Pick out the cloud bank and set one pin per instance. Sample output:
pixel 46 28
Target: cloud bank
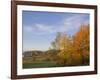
pixel 70 25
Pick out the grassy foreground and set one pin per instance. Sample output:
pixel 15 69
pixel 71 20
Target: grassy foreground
pixel 39 64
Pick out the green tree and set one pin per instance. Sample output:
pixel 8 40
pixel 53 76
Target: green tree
pixel 56 43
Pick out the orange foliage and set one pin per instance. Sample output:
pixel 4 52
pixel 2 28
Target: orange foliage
pixel 81 43
pixel 74 50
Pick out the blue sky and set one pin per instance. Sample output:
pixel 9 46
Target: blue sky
pixel 40 28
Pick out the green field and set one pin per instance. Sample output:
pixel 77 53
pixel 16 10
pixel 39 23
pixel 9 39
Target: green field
pixel 39 64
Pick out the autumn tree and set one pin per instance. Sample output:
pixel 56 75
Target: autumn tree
pixel 63 43
pixel 81 43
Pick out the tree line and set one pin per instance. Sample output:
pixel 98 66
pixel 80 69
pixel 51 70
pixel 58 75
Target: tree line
pixel 73 50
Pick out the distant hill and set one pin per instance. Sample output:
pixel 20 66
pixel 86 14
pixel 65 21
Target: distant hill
pixel 37 53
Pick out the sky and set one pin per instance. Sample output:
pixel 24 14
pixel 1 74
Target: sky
pixel 40 28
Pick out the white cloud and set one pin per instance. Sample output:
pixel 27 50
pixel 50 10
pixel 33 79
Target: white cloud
pixel 39 29
pixel 43 28
pixel 28 28
pixel 73 23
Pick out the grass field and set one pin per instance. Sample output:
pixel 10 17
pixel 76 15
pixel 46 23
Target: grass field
pixel 39 65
